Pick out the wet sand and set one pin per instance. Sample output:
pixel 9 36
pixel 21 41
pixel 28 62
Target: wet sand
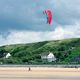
pixel 39 73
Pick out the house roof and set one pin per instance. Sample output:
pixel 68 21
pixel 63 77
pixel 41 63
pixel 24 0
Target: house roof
pixel 50 55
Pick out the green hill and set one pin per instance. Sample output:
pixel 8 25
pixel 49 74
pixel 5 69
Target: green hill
pixel 67 51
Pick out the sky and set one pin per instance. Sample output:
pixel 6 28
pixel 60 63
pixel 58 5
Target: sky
pixel 23 21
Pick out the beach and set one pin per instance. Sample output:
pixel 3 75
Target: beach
pixel 39 73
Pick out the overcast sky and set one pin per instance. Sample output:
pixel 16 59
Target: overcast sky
pixel 23 21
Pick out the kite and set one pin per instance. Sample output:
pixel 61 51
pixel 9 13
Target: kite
pixel 49 16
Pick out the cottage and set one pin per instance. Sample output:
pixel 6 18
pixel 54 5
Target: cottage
pixel 7 55
pixel 48 56
pixel 51 57
pixel 44 55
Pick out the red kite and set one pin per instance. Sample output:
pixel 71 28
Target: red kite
pixel 49 16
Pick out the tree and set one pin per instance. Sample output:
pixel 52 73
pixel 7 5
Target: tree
pixel 2 51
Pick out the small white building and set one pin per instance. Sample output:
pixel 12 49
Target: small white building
pixel 49 56
pixel 7 55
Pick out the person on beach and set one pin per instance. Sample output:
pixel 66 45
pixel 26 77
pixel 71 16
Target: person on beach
pixel 29 69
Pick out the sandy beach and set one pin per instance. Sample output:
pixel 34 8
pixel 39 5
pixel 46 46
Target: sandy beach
pixel 39 73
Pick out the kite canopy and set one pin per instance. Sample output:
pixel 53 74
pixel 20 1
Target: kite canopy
pixel 49 16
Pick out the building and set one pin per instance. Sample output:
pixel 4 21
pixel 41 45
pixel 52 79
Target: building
pixel 7 55
pixel 51 57
pixel 48 56
pixel 44 55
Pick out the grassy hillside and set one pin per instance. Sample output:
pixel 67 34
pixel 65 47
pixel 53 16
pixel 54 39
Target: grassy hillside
pixel 67 51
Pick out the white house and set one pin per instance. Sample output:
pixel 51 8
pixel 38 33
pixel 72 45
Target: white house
pixel 49 56
pixel 7 55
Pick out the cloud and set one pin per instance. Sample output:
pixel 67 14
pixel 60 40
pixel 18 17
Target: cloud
pixel 22 15
pixel 18 37
pixel 23 21
pixel 28 14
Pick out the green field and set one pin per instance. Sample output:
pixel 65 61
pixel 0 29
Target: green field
pixel 67 51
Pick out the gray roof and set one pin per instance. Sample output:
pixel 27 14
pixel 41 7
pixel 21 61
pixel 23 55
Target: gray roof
pixel 44 54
